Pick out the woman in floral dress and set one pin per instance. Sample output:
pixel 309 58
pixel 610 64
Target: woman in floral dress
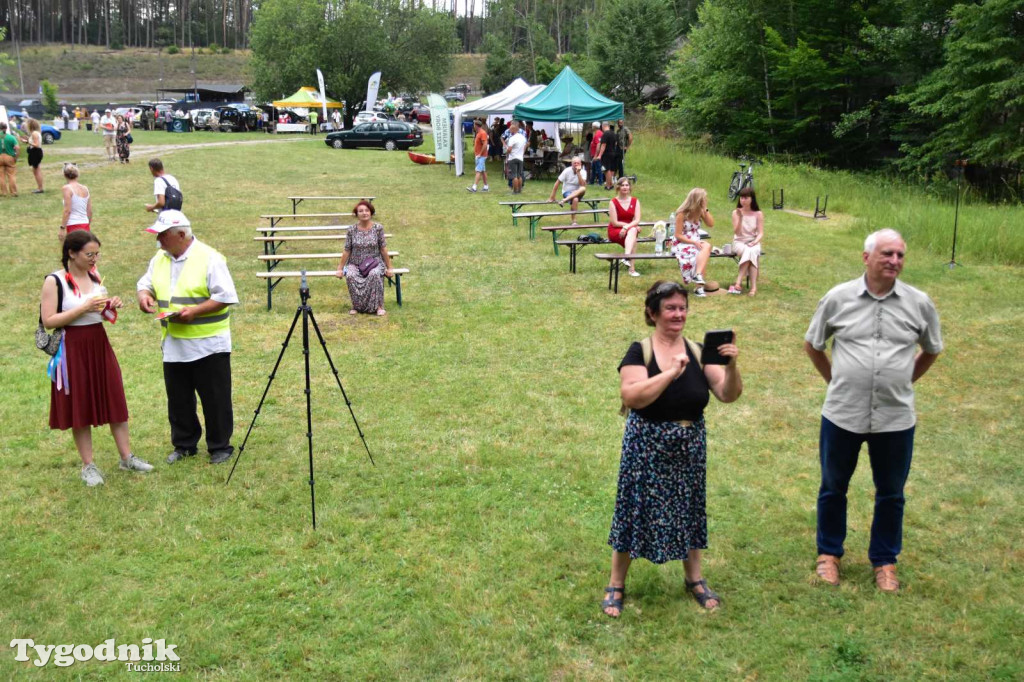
pixel 365 262
pixel 687 246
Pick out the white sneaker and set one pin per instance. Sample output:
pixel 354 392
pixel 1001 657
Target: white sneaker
pixel 91 475
pixel 699 292
pixel 698 279
pixel 133 463
pixel 471 189
pixel 634 273
pixel 486 189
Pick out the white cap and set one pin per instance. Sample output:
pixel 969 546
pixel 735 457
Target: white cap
pixel 168 219
pixel 596 124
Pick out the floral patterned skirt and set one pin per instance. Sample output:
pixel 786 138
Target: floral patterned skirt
pixel 660 505
pixel 686 254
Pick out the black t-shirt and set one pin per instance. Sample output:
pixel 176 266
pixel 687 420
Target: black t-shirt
pixel 611 147
pixel 684 398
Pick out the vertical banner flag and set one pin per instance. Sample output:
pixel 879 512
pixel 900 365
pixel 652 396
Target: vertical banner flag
pixel 371 91
pixel 442 126
pixel 323 93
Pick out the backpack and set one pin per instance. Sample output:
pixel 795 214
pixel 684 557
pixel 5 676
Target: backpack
pixel 173 197
pixel 647 347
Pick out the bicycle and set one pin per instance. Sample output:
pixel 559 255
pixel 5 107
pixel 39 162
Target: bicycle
pixel 744 177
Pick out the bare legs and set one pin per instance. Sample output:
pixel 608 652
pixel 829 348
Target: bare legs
pixel 703 257
pixel 747 268
pixel 37 173
pixel 83 441
pixel 574 201
pixel 620 567
pixel 631 236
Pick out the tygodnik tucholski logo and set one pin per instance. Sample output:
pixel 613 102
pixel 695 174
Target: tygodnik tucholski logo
pixel 150 656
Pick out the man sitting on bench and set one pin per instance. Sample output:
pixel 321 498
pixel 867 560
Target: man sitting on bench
pixel 574 185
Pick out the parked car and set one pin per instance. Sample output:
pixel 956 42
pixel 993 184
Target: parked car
pixel 135 111
pixel 370 116
pixel 237 117
pixel 454 96
pixel 48 132
pixel 422 113
pixel 388 134
pixel 205 119
pixel 464 88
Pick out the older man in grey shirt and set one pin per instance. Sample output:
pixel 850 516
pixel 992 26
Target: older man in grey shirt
pixel 876 323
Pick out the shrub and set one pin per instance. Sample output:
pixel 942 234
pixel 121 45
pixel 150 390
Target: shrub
pixel 173 49
pixel 50 103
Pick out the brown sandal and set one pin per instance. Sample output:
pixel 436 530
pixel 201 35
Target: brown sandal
pixel 885 578
pixel 828 569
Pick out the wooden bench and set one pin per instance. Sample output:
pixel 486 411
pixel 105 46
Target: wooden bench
pixel 575 244
pixel 398 272
pixel 303 228
pixel 275 218
pixel 298 200
pixel 517 205
pixel 536 216
pixel 615 260
pixel 557 230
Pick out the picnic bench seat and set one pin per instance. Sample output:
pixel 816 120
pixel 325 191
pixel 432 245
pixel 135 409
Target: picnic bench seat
pixel 303 228
pixel 279 275
pixel 517 205
pixel 536 216
pixel 615 260
pixel 275 218
pixel 557 230
pixel 298 200
pixel 575 244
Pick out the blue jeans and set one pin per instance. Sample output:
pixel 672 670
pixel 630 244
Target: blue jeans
pixel 890 455
pixel 596 172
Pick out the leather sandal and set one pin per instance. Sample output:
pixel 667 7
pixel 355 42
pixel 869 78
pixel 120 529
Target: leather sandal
pixel 703 597
pixel 885 578
pixel 611 602
pixel 828 569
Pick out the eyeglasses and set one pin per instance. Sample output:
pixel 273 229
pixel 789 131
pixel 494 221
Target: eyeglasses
pixel 666 287
pixel 91 255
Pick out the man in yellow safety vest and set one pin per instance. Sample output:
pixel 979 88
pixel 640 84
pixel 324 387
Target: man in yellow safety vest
pixel 189 285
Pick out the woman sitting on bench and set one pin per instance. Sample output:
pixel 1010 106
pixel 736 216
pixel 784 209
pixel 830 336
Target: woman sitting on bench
pixel 748 231
pixel 624 226
pixel 365 262
pixel 687 247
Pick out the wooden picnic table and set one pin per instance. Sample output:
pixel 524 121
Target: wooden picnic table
pixel 298 200
pixel 557 230
pixel 396 272
pixel 615 260
pixel 575 245
pixel 536 216
pixel 517 205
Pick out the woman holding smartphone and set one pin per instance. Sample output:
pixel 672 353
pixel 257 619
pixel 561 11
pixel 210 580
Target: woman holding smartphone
pixel 86 388
pixel 660 504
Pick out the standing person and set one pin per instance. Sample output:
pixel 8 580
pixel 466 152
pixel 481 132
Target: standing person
pixel 161 181
pixel 480 142
pixel 624 223
pixel 35 152
pixel 86 389
pixel 77 203
pixel 660 504
pixel 190 280
pixel 595 159
pixel 314 121
pixel 494 149
pixel 109 127
pixel 625 142
pixel 336 118
pixel 365 262
pixel 690 250
pixel 876 323
pixel 94 119
pixel 123 132
pixel 515 150
pixel 574 185
pixel 748 232
pixel 609 153
pixel 9 149
pixel 65 116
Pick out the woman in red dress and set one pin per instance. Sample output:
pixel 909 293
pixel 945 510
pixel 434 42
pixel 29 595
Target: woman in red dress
pixel 87 390
pixel 624 226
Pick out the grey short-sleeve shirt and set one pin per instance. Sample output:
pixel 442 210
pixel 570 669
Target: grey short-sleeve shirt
pixel 874 341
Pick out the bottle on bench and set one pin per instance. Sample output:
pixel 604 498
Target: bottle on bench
pixel 659 237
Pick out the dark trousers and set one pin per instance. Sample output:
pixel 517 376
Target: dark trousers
pixel 210 377
pixel 890 455
pixel 596 173
pixel 621 171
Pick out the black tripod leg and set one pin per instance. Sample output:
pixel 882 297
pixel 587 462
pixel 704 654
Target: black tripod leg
pixel 270 380
pixel 323 344
pixel 307 313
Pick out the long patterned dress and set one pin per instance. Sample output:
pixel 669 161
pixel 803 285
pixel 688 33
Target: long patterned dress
pixel 123 148
pixel 686 253
pixel 367 293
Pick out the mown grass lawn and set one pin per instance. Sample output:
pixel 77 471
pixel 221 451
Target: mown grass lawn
pixel 476 548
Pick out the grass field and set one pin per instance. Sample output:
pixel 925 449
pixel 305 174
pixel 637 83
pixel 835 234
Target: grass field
pixel 476 548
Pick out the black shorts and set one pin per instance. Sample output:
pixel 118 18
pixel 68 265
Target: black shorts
pixel 35 156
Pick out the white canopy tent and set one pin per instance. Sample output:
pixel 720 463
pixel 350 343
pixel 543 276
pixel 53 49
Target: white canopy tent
pixel 499 104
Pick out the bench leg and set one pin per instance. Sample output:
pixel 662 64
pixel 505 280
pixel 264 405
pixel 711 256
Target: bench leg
pixel 617 263
pixel 572 258
pixel 554 240
pixel 533 228
pixel 398 288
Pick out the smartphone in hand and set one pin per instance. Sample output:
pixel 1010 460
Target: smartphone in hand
pixel 712 340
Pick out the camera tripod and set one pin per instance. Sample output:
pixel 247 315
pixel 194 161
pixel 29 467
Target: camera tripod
pixel 306 312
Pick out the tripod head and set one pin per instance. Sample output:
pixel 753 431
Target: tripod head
pixel 304 288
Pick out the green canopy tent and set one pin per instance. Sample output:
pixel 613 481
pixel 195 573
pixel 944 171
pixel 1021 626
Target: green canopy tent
pixel 568 98
pixel 306 98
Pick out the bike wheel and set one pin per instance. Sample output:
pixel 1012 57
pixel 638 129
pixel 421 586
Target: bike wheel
pixel 736 185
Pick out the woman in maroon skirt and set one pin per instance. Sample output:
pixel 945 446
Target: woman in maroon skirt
pixel 86 389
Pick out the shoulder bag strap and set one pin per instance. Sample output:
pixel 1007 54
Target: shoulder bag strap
pixel 60 296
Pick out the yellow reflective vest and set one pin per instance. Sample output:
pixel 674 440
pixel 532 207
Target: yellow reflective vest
pixel 189 290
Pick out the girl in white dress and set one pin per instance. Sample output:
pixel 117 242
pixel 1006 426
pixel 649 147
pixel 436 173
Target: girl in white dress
pixel 748 231
pixel 687 246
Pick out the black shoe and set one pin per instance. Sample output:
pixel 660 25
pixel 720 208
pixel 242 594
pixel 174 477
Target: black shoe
pixel 220 456
pixel 179 454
